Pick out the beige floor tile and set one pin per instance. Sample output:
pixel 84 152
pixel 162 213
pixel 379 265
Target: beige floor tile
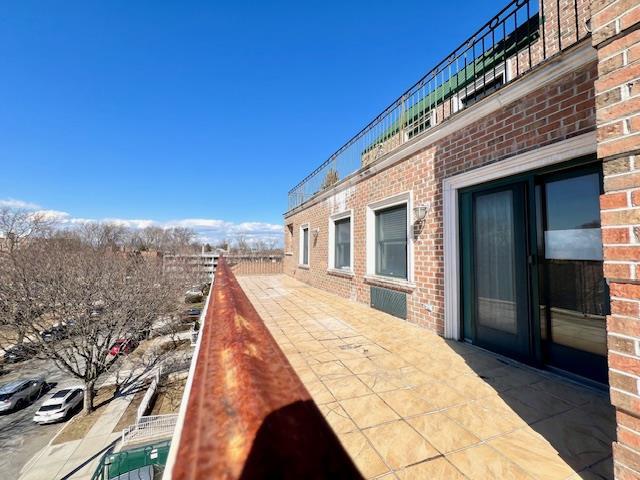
pixel 414 377
pixel 399 444
pixel 300 337
pixel 310 347
pixel 384 381
pixel 538 399
pixel 345 387
pixel 360 365
pixel 440 468
pixel 306 374
pixel 373 350
pixel 513 409
pixel 600 471
pixel 368 411
pixel 332 345
pixel 337 418
pixel 471 387
pixel 532 454
pixel 506 377
pixel 481 422
pixel 439 395
pixel 579 437
pixel 324 357
pixel 484 463
pixel 331 369
pixel 364 456
pixel 319 393
pixel 406 403
pixel 442 432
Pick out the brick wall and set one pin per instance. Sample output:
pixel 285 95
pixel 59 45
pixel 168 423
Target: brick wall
pixel 615 35
pixel 554 112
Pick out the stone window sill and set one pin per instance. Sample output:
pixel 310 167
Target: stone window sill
pixel 392 283
pixel 304 267
pixel 340 273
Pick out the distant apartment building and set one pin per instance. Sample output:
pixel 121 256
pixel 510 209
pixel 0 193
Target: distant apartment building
pixel 497 201
pixel 203 263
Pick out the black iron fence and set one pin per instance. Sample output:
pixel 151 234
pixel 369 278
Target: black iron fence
pixel 522 35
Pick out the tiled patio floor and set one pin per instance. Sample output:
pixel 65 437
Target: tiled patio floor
pixel 408 404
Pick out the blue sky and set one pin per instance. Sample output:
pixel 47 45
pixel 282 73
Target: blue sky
pixel 202 113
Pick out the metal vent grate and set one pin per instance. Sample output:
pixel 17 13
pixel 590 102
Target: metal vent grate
pixel 389 301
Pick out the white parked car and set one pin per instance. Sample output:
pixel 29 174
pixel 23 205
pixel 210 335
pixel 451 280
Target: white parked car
pixel 59 405
pixel 19 393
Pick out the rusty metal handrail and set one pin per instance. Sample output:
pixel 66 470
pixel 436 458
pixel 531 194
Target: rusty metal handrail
pixel 248 415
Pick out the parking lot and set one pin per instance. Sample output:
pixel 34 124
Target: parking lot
pixel 20 437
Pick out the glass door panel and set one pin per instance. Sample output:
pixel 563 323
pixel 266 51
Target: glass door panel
pixel 575 298
pixel 499 270
pixel 495 275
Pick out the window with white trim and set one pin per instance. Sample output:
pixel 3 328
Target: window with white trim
pixel 304 245
pixel 341 242
pixel 391 241
pixel 481 88
pixel 389 248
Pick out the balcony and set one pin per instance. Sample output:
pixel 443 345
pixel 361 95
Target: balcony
pixel 399 400
pixel 522 36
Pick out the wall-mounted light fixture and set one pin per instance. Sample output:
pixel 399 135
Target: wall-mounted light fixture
pixel 315 232
pixel 420 212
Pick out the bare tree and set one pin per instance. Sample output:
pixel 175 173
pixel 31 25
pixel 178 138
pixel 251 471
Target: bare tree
pixel 167 240
pixel 18 225
pixel 92 292
pixel 104 234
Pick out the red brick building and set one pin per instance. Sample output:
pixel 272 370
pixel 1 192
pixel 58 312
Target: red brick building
pixel 497 201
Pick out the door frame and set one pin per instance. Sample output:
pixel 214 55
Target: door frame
pixel 554 154
pixel 528 180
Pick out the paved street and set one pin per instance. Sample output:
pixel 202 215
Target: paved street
pixel 20 437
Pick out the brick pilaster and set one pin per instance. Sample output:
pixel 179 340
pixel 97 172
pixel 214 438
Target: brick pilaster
pixel 616 34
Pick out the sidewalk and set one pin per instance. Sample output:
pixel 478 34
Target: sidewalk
pixel 59 461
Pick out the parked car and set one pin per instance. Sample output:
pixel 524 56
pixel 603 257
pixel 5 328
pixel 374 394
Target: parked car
pixel 195 290
pixel 18 353
pixel 19 393
pixel 59 406
pixel 123 345
pixel 57 332
pixel 193 312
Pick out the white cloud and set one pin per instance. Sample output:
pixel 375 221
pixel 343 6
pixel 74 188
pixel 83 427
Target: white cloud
pixel 54 215
pixel 130 223
pixel 208 229
pixel 13 203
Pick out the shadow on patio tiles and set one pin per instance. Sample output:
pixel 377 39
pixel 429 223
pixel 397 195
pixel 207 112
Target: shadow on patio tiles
pixel 576 421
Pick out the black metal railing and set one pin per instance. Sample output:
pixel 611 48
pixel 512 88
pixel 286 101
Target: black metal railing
pixel 519 37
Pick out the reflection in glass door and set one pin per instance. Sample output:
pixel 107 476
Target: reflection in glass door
pixel 532 271
pixel 574 295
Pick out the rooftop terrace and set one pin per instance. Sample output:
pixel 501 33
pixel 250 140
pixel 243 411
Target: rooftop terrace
pixel 404 402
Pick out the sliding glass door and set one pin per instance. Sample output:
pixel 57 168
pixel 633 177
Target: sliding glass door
pixel 532 271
